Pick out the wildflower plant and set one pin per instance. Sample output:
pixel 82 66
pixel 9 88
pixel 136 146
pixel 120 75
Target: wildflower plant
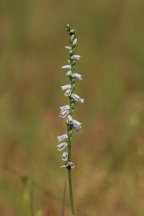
pixel 67 110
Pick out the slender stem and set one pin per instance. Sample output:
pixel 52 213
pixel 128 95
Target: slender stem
pixel 70 191
pixel 69 169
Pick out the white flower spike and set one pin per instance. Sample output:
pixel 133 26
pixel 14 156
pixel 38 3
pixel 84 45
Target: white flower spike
pixel 61 146
pixel 67 110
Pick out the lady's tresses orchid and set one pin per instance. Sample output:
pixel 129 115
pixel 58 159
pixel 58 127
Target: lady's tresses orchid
pixel 61 146
pixel 77 98
pixel 71 164
pixel 76 76
pixel 62 137
pixel 67 110
pixel 64 111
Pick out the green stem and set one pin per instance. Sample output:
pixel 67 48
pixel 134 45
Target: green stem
pixel 70 191
pixel 69 169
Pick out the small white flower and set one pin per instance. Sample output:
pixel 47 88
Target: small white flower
pixel 66 107
pixel 65 156
pixel 71 164
pixel 68 47
pixel 68 61
pixel 77 98
pixel 63 166
pixel 68 92
pixel 75 41
pixel 69 120
pixel 77 125
pixel 77 76
pixel 62 137
pixel 76 57
pixel 67 26
pixel 66 66
pixel 72 31
pixel 69 73
pixel 64 113
pixel 72 37
pixel 61 146
pixel 65 87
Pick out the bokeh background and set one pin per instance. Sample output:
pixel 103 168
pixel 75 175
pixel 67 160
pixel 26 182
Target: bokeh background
pixel 109 152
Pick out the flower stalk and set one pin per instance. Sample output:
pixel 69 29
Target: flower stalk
pixel 67 110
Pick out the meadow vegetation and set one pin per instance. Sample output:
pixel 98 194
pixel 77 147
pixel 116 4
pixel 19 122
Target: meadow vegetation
pixel 109 152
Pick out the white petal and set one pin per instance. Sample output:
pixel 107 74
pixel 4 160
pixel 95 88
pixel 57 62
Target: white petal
pixel 68 92
pixel 67 66
pixel 81 100
pixel 66 107
pixel 77 76
pixel 63 166
pixel 77 98
pixel 72 31
pixel 77 128
pixel 61 146
pixel 65 87
pixel 68 47
pixel 71 164
pixel 75 41
pixel 62 137
pixel 72 37
pixel 65 156
pixel 76 57
pixel 69 120
pixel 64 113
pixel 69 73
pixel 77 125
pixel 67 25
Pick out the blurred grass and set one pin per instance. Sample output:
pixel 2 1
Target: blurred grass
pixel 108 179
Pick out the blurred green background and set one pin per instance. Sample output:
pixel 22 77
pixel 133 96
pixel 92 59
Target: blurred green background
pixel 109 152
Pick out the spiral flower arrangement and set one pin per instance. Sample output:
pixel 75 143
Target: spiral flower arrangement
pixel 67 110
